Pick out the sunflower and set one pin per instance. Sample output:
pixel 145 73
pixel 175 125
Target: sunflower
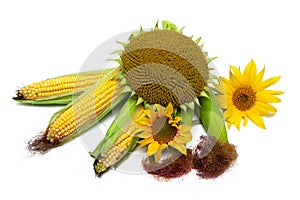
pixel 160 130
pixel 245 96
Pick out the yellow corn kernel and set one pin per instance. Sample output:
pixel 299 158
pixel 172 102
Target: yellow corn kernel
pixel 84 110
pixel 119 147
pixel 60 85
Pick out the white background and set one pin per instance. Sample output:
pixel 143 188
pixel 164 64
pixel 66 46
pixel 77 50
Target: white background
pixel 42 39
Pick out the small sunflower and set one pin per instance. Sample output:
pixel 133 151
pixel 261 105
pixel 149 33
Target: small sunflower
pixel 160 130
pixel 245 96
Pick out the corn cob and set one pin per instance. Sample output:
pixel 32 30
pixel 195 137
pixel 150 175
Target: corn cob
pixel 58 90
pixel 79 115
pixel 125 142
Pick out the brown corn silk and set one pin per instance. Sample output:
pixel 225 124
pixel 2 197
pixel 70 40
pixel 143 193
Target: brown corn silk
pixel 213 157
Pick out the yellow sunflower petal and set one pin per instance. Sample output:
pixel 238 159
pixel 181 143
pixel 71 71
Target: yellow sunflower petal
pixel 163 146
pixel 178 146
pixel 256 85
pixel 250 73
pixel 145 142
pixel 236 71
pixel 157 155
pixel 229 124
pixel 147 112
pixel 227 84
pixel 256 118
pixel 264 108
pixel 143 122
pixel 184 128
pixel 222 101
pixel 269 82
pixel 152 114
pixel 169 110
pixel 265 97
pixel 152 148
pixel 237 74
pixel 144 129
pixel 220 88
pixel 236 118
pixel 160 110
pixel 273 92
pixel 145 135
pixel 229 112
pixel 176 120
pixel 183 138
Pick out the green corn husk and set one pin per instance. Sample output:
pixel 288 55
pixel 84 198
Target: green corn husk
pixel 63 98
pixel 211 116
pixel 115 130
pixel 119 127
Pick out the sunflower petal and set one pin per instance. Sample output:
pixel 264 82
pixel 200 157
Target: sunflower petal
pixel 269 82
pixel 185 128
pixel 265 97
pixel 157 155
pixel 227 84
pixel 245 120
pixel 236 71
pixel 145 135
pixel 145 142
pixel 256 118
pixel 178 146
pixel 258 81
pixel 237 75
pixel 152 114
pixel 222 101
pixel 160 110
pixel 147 112
pixel 273 92
pixel 152 148
pixel 176 120
pixel 250 73
pixel 236 118
pixel 219 87
pixel 229 112
pixel 169 110
pixel 183 138
pixel 143 122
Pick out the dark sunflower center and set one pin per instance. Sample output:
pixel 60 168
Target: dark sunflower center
pixel 162 131
pixel 164 67
pixel 244 98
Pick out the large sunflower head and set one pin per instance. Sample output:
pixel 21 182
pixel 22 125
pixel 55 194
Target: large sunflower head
pixel 245 96
pixel 160 129
pixel 165 66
